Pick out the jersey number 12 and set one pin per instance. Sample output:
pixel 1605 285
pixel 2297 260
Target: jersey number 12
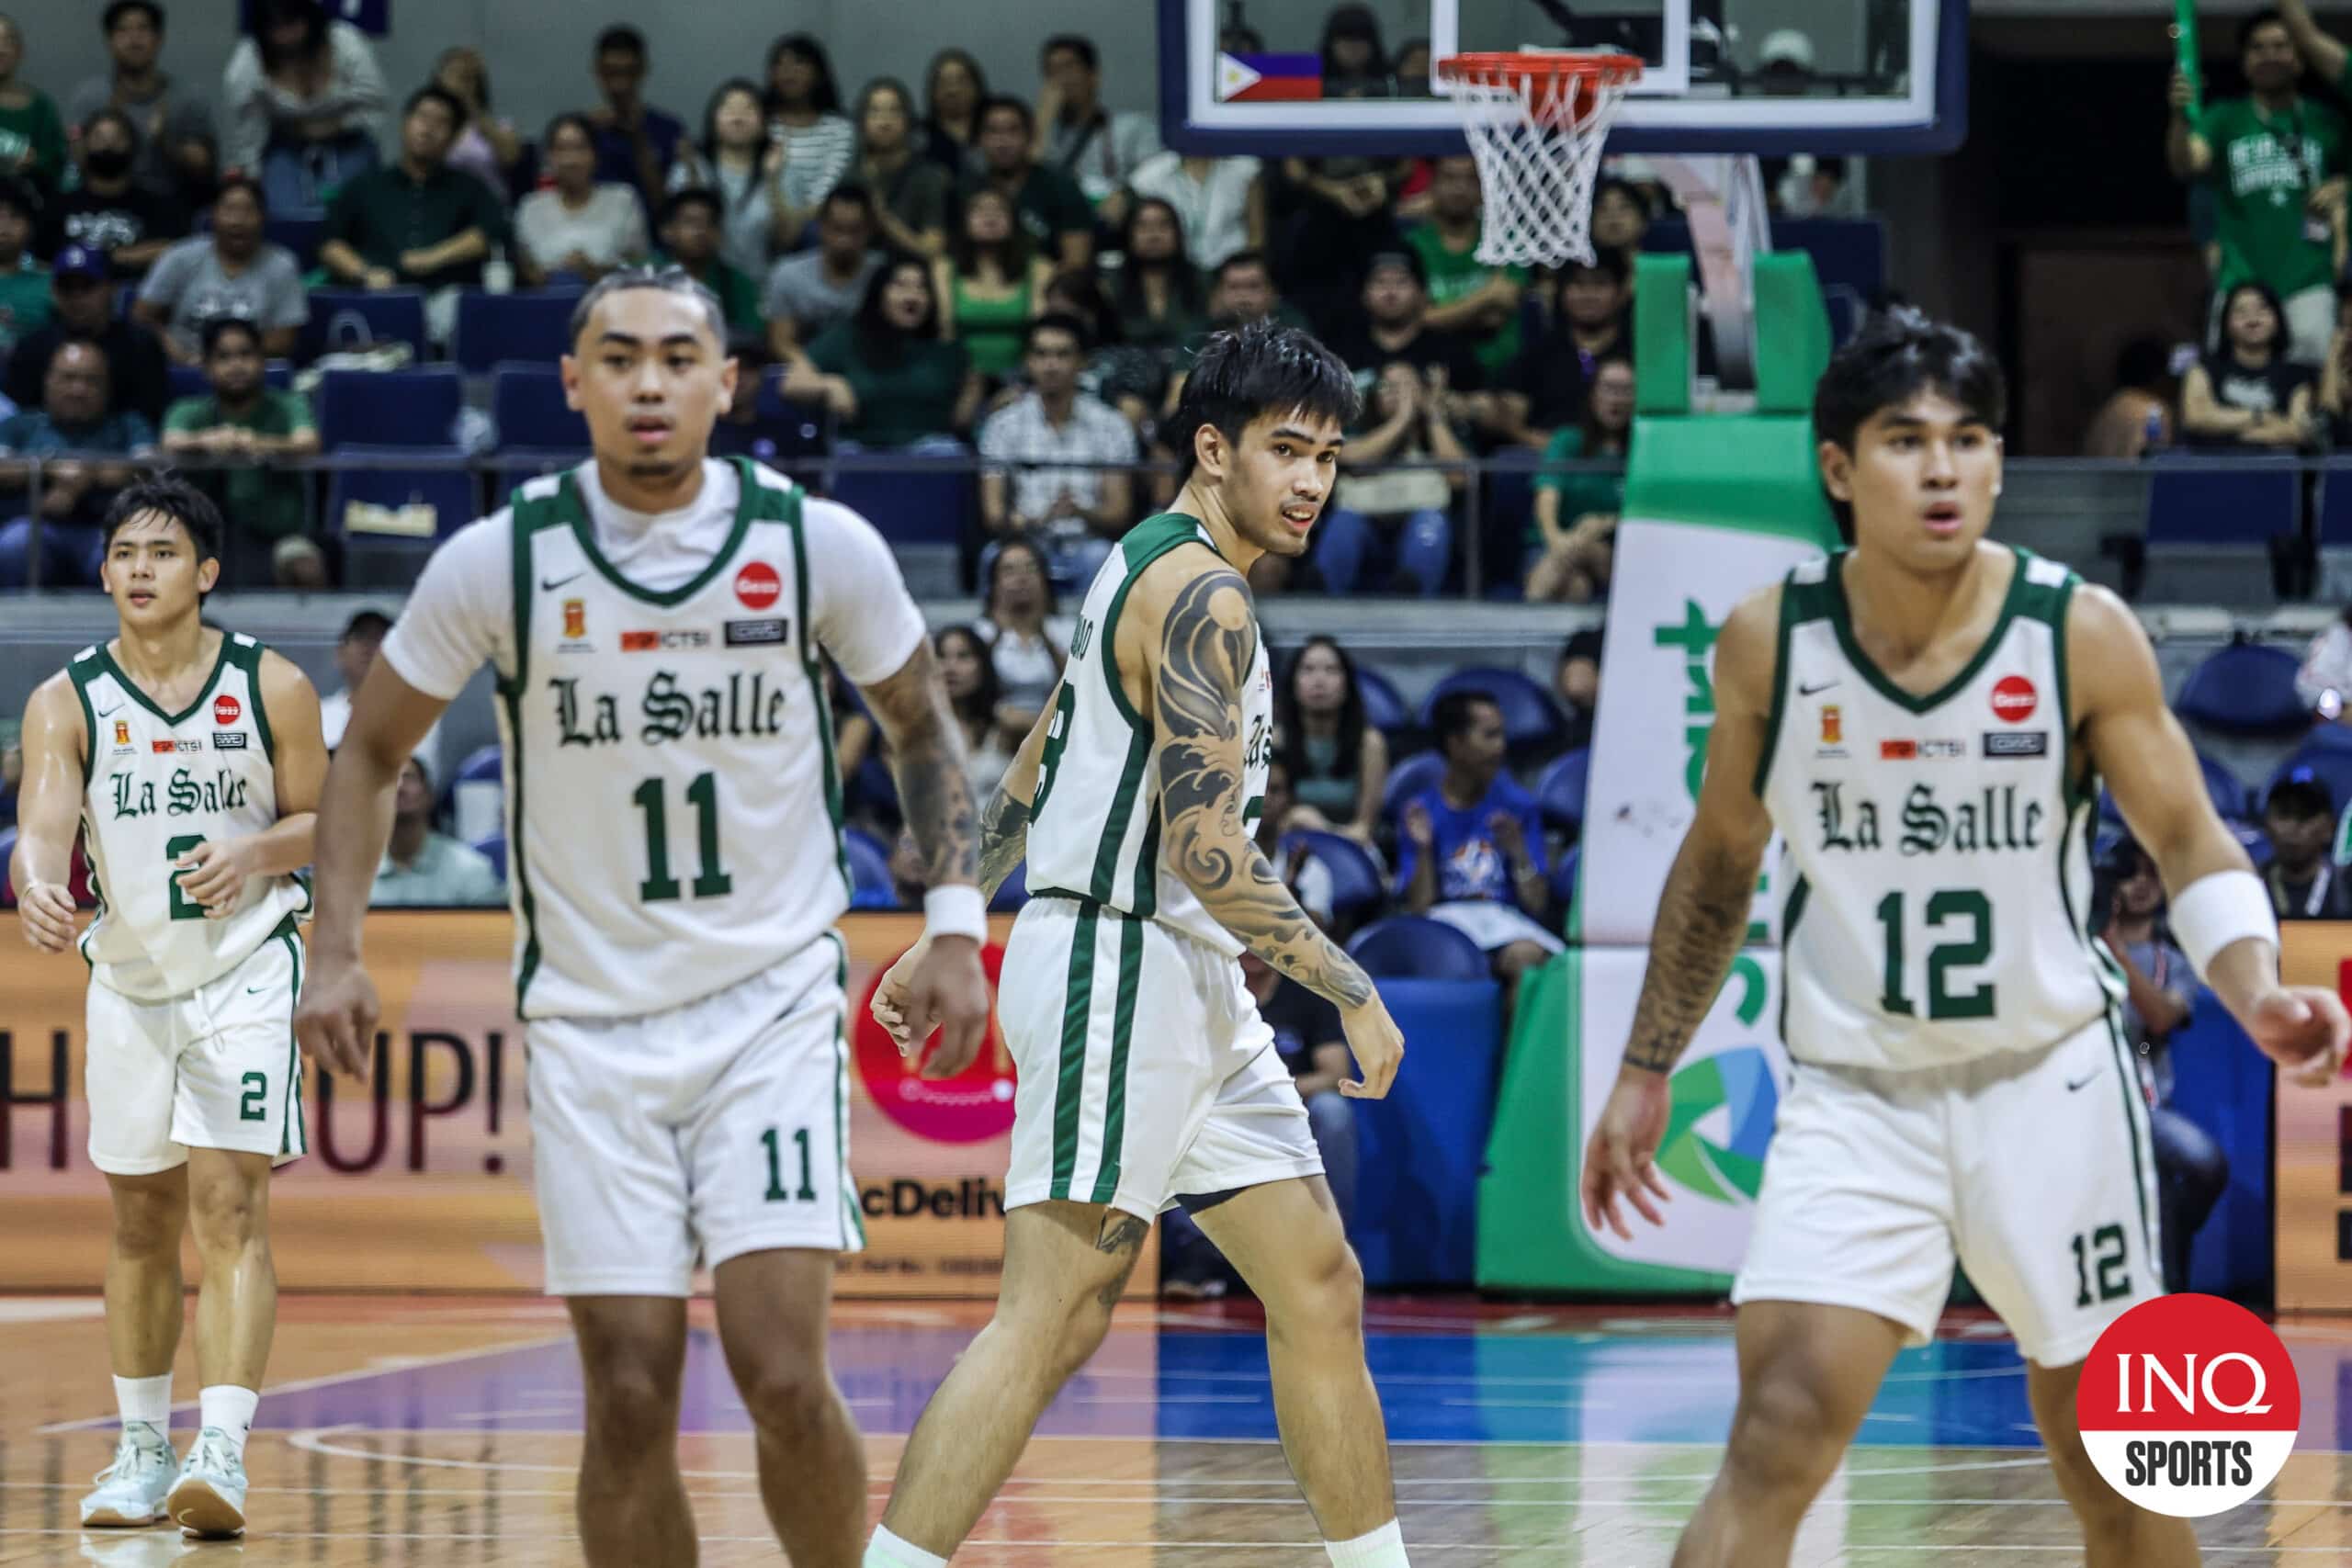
pixel 1952 907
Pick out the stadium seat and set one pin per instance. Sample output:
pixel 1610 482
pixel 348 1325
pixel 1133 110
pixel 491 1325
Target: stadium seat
pixel 349 319
pixel 476 797
pixel 1531 719
pixel 187 380
pixel 792 430
pixel 915 506
pixel 2211 525
pixel 526 404
pixel 494 850
pixel 1011 893
pixel 869 871
pixel 300 232
pixel 1560 792
pixel 1356 882
pixel 1412 947
pixel 1408 778
pixel 2245 689
pixel 389 408
pixel 1384 706
pixel 391 517
pixel 2227 791
pixel 531 327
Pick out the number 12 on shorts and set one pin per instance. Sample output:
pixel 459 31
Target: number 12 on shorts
pixel 2101 1253
pixel 777 1192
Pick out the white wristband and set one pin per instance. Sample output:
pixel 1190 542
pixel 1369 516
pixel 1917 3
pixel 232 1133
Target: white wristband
pixel 956 909
pixel 2218 909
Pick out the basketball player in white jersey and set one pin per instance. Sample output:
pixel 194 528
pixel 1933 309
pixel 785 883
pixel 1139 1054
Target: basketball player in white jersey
pixel 659 623
pixel 190 760
pixel 1926 717
pixel 1147 1077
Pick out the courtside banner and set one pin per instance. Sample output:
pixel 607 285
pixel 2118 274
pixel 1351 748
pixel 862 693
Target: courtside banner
pixel 2312 1173
pixel 420 1178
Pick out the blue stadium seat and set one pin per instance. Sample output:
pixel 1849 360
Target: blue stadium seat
pixel 1384 705
pixel 526 404
pixel 2227 791
pixel 1408 778
pixel 2221 501
pixel 345 318
pixel 389 408
pixel 1012 892
pixel 300 232
pixel 792 430
pixel 1411 947
pixel 927 505
pixel 2245 689
pixel 187 380
pixel 531 327
pixel 384 558
pixel 494 850
pixel 1560 792
pixel 1356 882
pixel 873 786
pixel 1531 719
pixel 869 871
pixel 474 797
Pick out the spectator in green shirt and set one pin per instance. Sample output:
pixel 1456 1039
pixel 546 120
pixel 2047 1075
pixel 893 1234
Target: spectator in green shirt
pixel 24 287
pixel 2275 160
pixel 885 374
pixel 1572 539
pixel 693 223
pixel 418 223
pixel 1475 302
pixel 32 136
pixel 1051 208
pixel 241 425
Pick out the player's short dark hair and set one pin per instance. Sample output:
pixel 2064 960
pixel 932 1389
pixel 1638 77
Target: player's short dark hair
pixel 621 39
pixel 1456 711
pixel 1899 354
pixel 220 327
pixel 175 498
pixel 693 195
pixel 1054 322
pixel 2264 17
pixel 435 92
pixel 1257 369
pixel 373 622
pixel 1077 44
pixel 120 8
pixel 669 279
pixel 1007 103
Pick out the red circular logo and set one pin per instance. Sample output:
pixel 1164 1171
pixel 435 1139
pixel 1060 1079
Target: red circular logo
pixel 973 1106
pixel 225 709
pixel 2014 699
pixel 2188 1404
pixel 757 585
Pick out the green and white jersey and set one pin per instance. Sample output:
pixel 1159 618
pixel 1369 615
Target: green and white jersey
pixel 1094 822
pixel 161 784
pixel 1936 849
pixel 673 808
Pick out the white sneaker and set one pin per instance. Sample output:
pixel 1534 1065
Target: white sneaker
pixel 131 1490
pixel 209 1498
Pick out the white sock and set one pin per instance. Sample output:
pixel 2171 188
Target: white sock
pixel 231 1408
pixel 887 1550
pixel 1383 1548
pixel 147 1399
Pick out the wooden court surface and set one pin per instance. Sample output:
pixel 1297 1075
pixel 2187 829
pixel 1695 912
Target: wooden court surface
pixel 438 1432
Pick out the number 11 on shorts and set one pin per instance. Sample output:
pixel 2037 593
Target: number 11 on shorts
pixel 777 1193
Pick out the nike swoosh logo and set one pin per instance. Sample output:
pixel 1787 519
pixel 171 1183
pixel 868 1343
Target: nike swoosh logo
pixel 546 587
pixel 1808 690
pixel 255 990
pixel 2073 1087
pixel 105 712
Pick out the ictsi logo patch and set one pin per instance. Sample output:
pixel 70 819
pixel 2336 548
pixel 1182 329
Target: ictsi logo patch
pixel 226 709
pixel 757 586
pixel 2188 1406
pixel 2014 699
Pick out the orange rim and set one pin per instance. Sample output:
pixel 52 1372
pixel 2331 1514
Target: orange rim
pixel 1610 70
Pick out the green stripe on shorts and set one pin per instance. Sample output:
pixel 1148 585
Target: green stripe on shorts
pixel 1123 1022
pixel 293 1139
pixel 2135 1129
pixel 1069 1091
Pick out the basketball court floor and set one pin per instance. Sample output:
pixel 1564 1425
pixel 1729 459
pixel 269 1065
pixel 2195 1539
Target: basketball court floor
pixel 443 1431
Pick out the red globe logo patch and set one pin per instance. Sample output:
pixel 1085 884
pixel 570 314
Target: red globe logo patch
pixel 226 709
pixel 2014 699
pixel 757 585
pixel 2188 1406
pixel 970 1107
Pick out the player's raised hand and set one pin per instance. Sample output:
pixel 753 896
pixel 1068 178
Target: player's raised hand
pixel 1378 1046
pixel 213 874
pixel 1617 1159
pixel 336 1021
pixel 48 914
pixel 2303 1028
pixel 946 990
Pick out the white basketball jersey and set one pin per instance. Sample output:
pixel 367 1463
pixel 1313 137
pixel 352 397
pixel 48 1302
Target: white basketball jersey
pixel 1941 844
pixel 1094 821
pixel 160 784
pixel 673 812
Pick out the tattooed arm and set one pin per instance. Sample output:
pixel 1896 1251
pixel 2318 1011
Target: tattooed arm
pixel 1702 918
pixel 927 761
pixel 1200 634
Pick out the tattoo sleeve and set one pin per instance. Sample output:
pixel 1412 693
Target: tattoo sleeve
pixel 927 761
pixel 1207 644
pixel 1004 841
pixel 1702 918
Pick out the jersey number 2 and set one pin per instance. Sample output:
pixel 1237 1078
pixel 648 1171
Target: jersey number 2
pixel 659 885
pixel 183 906
pixel 1950 905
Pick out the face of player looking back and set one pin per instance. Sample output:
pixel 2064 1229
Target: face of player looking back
pixel 153 574
pixel 1921 478
pixel 650 380
pixel 1276 481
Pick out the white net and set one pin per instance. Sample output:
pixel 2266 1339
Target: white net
pixel 1537 136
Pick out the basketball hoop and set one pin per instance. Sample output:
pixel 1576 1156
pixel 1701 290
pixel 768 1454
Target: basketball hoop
pixel 1536 122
